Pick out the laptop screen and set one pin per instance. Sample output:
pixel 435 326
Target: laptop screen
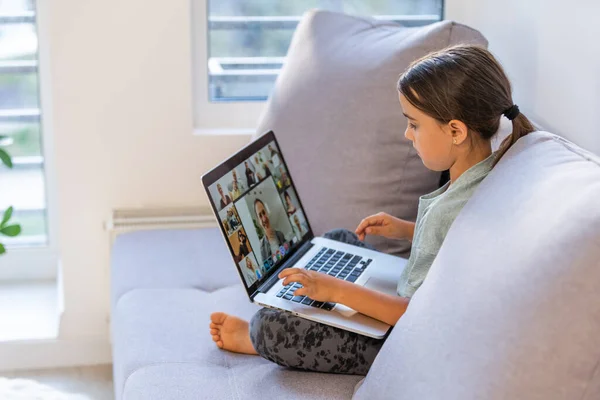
pixel 258 209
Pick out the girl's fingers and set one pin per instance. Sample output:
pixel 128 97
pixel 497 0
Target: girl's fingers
pixel 361 227
pixel 295 278
pixel 289 271
pixel 369 221
pixel 301 292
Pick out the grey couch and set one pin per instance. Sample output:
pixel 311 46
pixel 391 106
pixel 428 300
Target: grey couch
pixel 509 310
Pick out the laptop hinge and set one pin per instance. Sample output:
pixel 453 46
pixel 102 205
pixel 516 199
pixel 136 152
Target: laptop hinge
pixel 264 288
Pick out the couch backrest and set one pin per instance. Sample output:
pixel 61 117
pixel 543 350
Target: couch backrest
pixel 511 306
pixel 336 114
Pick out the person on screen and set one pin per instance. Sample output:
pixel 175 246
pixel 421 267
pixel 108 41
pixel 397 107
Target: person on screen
pixel 267 170
pixel 289 205
pixel 233 221
pixel 250 177
pixel 272 239
pixel 258 273
pixel 248 272
pixel 235 190
pixel 240 185
pixel 244 249
pixel 273 151
pixel 225 199
pixel 301 227
pixel 285 179
pixel 260 174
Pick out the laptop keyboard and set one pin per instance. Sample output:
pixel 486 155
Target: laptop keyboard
pixel 346 266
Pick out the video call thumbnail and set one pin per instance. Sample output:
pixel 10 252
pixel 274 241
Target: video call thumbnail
pixel 273 234
pixel 259 211
pixel 251 270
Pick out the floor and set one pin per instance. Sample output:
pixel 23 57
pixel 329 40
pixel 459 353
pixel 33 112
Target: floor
pixel 28 310
pixel 93 382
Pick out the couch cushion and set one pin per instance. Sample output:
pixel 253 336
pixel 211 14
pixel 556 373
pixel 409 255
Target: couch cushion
pixel 511 307
pixel 184 258
pixel 170 325
pixel 163 350
pixel 336 114
pixel 250 379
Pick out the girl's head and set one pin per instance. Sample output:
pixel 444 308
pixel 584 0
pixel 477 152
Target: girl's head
pixel 454 99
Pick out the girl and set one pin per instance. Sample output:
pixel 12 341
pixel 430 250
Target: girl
pixel 453 100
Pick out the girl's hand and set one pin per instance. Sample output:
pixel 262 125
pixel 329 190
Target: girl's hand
pixel 383 224
pixel 316 285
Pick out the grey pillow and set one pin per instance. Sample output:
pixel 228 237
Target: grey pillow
pixel 336 114
pixel 511 307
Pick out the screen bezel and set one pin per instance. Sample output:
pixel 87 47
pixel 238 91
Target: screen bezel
pixel 227 166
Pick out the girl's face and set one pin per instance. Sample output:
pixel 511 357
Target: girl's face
pixel 433 142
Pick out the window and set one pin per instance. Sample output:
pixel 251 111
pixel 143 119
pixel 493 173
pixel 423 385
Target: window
pixel 240 46
pixel 23 186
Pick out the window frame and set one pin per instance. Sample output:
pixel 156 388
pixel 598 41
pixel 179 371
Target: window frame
pixel 211 117
pixel 214 118
pixel 39 262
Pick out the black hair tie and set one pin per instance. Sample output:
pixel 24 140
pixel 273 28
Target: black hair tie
pixel 512 112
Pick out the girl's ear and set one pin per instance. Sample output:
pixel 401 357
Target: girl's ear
pixel 458 131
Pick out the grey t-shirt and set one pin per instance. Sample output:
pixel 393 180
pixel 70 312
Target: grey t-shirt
pixel 436 213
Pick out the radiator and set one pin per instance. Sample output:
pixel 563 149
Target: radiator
pixel 146 218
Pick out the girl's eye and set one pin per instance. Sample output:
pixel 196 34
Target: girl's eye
pixel 412 126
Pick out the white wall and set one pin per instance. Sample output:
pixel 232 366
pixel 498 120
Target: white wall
pixel 121 92
pixel 551 51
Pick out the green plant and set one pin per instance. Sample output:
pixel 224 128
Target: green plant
pixel 5 228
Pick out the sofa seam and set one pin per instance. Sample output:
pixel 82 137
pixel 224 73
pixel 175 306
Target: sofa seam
pixel 584 154
pixel 118 300
pixel 140 368
pixel 230 372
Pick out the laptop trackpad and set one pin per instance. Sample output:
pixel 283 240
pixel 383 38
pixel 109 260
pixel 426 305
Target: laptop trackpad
pixel 373 283
pixel 381 285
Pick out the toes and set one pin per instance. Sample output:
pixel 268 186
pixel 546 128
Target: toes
pixel 214 326
pixel 220 344
pixel 214 331
pixel 218 317
pixel 217 338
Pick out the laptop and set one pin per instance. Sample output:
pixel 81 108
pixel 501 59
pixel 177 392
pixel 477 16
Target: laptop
pixel 266 230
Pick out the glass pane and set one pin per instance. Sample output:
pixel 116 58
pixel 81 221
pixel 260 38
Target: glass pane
pixel 18 91
pixel 23 188
pixel 18 41
pixel 253 43
pixel 250 42
pixel 11 6
pixel 33 228
pixel 25 139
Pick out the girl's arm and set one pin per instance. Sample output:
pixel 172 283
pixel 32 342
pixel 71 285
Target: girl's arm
pixel 322 287
pixel 383 307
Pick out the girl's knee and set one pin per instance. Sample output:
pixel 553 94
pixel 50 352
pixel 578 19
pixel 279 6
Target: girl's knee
pixel 261 327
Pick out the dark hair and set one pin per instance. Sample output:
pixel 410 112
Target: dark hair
pixel 465 83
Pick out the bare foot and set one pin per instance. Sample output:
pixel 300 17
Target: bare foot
pixel 231 333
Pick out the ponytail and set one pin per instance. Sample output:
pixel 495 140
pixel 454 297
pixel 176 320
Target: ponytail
pixel 521 127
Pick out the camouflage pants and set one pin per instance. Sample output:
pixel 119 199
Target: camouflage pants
pixel 296 342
